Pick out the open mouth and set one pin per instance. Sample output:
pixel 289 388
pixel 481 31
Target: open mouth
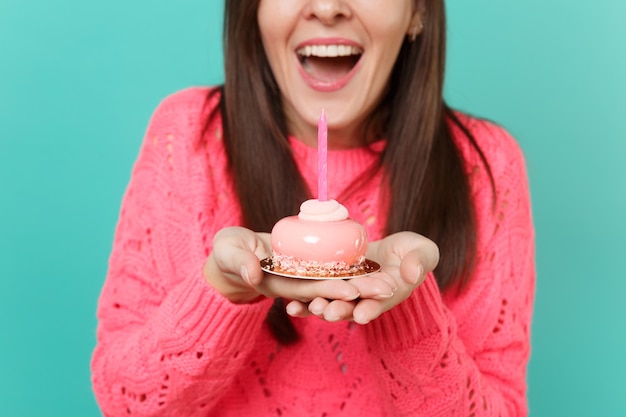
pixel 328 63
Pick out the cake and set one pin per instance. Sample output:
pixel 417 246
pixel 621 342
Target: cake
pixel 321 241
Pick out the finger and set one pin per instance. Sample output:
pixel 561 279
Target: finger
pixel 338 310
pixel 417 255
pixel 412 269
pixel 318 305
pixel 409 250
pixel 251 270
pixel 298 309
pixel 388 275
pixel 378 286
pixel 236 251
pixel 368 310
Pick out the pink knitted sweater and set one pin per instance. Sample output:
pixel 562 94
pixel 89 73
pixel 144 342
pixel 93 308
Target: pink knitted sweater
pixel 170 345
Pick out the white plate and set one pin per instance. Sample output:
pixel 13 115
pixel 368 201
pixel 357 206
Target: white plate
pixel 369 267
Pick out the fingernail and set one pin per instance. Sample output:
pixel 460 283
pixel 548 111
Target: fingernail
pixel 351 297
pixel 418 276
pixel 383 296
pixel 316 311
pixel 244 275
pixel 292 309
pixel 360 320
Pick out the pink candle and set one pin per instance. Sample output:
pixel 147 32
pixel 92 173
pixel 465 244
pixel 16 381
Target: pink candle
pixel 322 158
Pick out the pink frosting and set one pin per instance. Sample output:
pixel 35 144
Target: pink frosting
pixel 323 211
pixel 320 241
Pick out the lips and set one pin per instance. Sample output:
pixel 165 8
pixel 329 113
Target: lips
pixel 328 65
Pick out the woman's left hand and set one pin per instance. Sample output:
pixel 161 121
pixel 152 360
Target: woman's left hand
pixel 405 258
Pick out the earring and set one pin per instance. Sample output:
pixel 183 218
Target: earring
pixel 415 30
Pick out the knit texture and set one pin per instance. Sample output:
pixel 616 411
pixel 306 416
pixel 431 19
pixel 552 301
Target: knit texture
pixel 170 345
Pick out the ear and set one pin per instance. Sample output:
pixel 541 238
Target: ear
pixel 416 25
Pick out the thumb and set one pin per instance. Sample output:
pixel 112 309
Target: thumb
pixel 412 268
pixel 417 263
pixel 251 271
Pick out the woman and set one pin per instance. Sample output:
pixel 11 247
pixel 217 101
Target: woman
pixel 188 323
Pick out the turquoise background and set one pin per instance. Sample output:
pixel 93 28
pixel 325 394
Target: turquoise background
pixel 79 80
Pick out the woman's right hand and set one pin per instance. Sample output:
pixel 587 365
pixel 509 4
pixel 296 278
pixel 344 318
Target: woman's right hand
pixel 233 269
pixel 231 266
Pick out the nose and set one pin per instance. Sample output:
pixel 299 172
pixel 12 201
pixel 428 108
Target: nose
pixel 328 11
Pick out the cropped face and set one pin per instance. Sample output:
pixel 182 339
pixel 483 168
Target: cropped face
pixel 333 54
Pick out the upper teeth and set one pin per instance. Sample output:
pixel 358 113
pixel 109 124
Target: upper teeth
pixel 329 50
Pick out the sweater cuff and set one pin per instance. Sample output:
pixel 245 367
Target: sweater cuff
pixel 194 313
pixel 421 317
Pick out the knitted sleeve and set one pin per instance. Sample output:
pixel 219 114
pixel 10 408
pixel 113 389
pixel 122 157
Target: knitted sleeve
pixel 465 355
pixel 167 343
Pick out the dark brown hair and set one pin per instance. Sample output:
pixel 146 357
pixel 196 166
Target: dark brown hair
pixel 428 189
